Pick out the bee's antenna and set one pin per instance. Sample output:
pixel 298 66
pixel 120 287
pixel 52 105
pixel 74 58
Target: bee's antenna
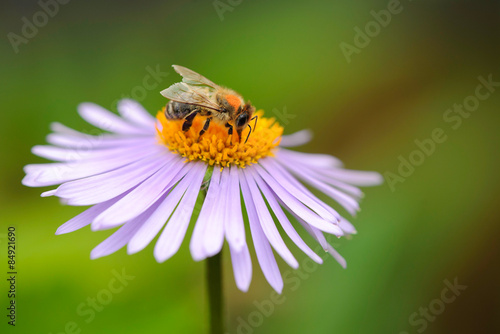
pixel 249 132
pixel 256 117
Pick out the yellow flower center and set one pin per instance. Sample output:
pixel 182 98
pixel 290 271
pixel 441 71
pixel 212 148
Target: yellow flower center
pixel 215 146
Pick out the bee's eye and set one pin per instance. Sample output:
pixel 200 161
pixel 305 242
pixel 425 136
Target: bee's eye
pixel 241 120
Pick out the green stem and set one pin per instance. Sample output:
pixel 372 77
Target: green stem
pixel 215 295
pixel 214 272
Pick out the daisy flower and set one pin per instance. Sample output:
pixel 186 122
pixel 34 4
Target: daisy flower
pixel 144 176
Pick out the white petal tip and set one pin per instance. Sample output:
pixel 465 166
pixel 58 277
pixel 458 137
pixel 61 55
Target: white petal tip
pixel 243 288
pixel 339 258
pixel 278 289
pixel 338 232
pixel 316 258
pixel 29 180
pixel 198 255
pixel 294 264
pixel 161 257
pixel 57 127
pixel 49 193
pixel 95 227
pixel 60 231
pixel 296 139
pixel 126 101
pixel 94 255
pixel 132 248
pixel 378 179
pixel 372 179
pixel 35 149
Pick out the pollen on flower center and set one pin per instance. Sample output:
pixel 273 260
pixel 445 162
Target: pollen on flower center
pixel 215 146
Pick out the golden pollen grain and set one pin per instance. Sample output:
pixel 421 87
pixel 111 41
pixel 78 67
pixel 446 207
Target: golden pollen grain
pixel 215 146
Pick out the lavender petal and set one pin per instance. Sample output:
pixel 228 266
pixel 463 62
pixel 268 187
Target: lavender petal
pixel 135 113
pixel 106 120
pixel 172 236
pixel 263 250
pixel 159 218
pixel 266 221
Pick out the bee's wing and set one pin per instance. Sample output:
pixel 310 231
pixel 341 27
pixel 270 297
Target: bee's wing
pixel 184 93
pixel 192 78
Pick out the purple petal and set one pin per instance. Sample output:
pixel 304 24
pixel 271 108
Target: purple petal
pixel 347 227
pixel 349 203
pixel 356 177
pixel 315 160
pixel 49 193
pixel 64 154
pixel 266 221
pixel 314 232
pixel 296 139
pixel 171 238
pixel 293 186
pixel 213 238
pixel 337 256
pixel 63 129
pixel 292 202
pixel 234 227
pixel 318 235
pixel 285 223
pixel 196 244
pixel 242 267
pixel 347 188
pixel 86 217
pixel 100 188
pixel 135 113
pixel 321 174
pixel 263 250
pixel 56 153
pixel 142 197
pixel 158 219
pixel 106 120
pixel 86 142
pixel 121 237
pixel 39 175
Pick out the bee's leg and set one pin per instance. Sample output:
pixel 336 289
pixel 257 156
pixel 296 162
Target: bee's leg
pixel 205 127
pixel 230 131
pixel 239 134
pixel 188 120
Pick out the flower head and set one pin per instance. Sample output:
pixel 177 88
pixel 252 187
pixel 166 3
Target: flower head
pixel 216 146
pixel 145 176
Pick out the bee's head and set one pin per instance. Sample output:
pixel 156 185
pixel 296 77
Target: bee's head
pixel 244 115
pixel 242 119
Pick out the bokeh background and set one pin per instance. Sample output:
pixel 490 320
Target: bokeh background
pixel 441 223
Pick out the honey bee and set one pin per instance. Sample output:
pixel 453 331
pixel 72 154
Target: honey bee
pixel 196 95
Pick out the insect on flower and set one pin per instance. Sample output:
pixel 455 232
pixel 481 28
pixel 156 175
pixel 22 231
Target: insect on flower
pixel 145 174
pixel 196 95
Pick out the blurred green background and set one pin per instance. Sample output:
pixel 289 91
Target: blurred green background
pixel 441 223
